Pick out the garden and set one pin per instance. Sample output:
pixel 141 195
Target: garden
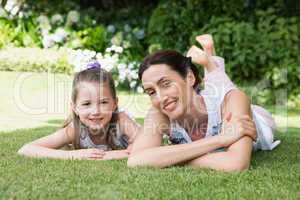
pixel 43 43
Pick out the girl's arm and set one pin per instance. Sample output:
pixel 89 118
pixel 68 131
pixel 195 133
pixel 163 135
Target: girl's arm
pixel 147 149
pixel 49 146
pixel 238 155
pixel 128 127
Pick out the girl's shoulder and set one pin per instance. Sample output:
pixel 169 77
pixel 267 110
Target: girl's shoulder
pixel 69 130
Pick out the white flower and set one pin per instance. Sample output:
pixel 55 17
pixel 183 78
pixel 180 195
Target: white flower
pixel 108 62
pixel 134 74
pixel 42 19
pixel 127 28
pixel 44 23
pixel 88 53
pixel 21 14
pixel 132 84
pixel 60 35
pixel 126 44
pixel 57 19
pixel 9 5
pixel 121 66
pixel 79 59
pixel 130 65
pixel 2 12
pixel 48 41
pixel 139 34
pixel 140 89
pixel 118 49
pixel 13 7
pixel 108 50
pixel 73 17
pixel 114 48
pixel 111 28
pixel 99 56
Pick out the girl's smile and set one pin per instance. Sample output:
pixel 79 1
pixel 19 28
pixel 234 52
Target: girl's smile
pixel 94 105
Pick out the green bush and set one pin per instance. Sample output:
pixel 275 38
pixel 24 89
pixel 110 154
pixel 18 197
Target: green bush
pixel 94 38
pixel 34 60
pixel 260 47
pixel 267 50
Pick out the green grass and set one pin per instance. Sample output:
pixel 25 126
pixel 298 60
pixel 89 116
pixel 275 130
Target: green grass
pixel 273 175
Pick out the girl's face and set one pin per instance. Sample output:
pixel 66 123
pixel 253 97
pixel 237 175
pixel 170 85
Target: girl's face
pixel 169 92
pixel 94 104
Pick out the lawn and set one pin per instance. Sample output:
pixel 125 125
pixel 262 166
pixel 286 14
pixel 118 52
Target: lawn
pixel 273 175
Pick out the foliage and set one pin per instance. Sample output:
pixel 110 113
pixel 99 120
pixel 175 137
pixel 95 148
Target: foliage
pixel 258 39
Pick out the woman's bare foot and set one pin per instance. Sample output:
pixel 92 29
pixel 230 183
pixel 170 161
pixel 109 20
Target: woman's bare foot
pixel 200 57
pixel 207 43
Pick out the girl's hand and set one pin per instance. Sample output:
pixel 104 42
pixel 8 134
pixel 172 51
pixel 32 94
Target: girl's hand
pixel 235 128
pixel 89 154
pixel 116 154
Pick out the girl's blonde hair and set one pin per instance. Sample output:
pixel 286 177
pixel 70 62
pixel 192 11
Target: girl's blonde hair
pixel 101 76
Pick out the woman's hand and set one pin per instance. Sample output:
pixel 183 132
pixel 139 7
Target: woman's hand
pixel 234 128
pixel 116 154
pixel 89 154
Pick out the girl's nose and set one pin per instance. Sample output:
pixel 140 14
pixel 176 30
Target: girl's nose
pixel 95 110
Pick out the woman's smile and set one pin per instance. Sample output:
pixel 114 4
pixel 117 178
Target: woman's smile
pixel 170 106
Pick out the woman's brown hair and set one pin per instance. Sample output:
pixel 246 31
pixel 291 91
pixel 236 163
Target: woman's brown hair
pixel 175 60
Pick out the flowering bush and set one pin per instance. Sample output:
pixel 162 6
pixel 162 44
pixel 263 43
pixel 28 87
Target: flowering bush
pixel 124 72
pixel 75 36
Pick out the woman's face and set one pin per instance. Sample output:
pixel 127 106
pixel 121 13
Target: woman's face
pixel 168 90
pixel 94 105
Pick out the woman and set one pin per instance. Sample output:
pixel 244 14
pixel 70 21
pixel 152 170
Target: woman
pixel 190 118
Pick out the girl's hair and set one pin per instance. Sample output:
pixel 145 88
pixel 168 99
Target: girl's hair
pixel 101 76
pixel 175 60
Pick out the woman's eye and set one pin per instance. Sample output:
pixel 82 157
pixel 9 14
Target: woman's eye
pixel 103 102
pixel 151 93
pixel 166 83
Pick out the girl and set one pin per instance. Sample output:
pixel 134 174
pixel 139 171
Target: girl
pixel 190 118
pixel 96 128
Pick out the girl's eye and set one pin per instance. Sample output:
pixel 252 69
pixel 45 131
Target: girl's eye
pixel 86 104
pixel 103 102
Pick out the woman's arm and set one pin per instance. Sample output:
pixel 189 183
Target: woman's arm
pixel 147 149
pixel 238 155
pixel 49 146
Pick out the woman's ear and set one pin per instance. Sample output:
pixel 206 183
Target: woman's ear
pixel 190 78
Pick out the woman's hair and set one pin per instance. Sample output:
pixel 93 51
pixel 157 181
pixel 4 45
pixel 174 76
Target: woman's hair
pixel 94 75
pixel 175 60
